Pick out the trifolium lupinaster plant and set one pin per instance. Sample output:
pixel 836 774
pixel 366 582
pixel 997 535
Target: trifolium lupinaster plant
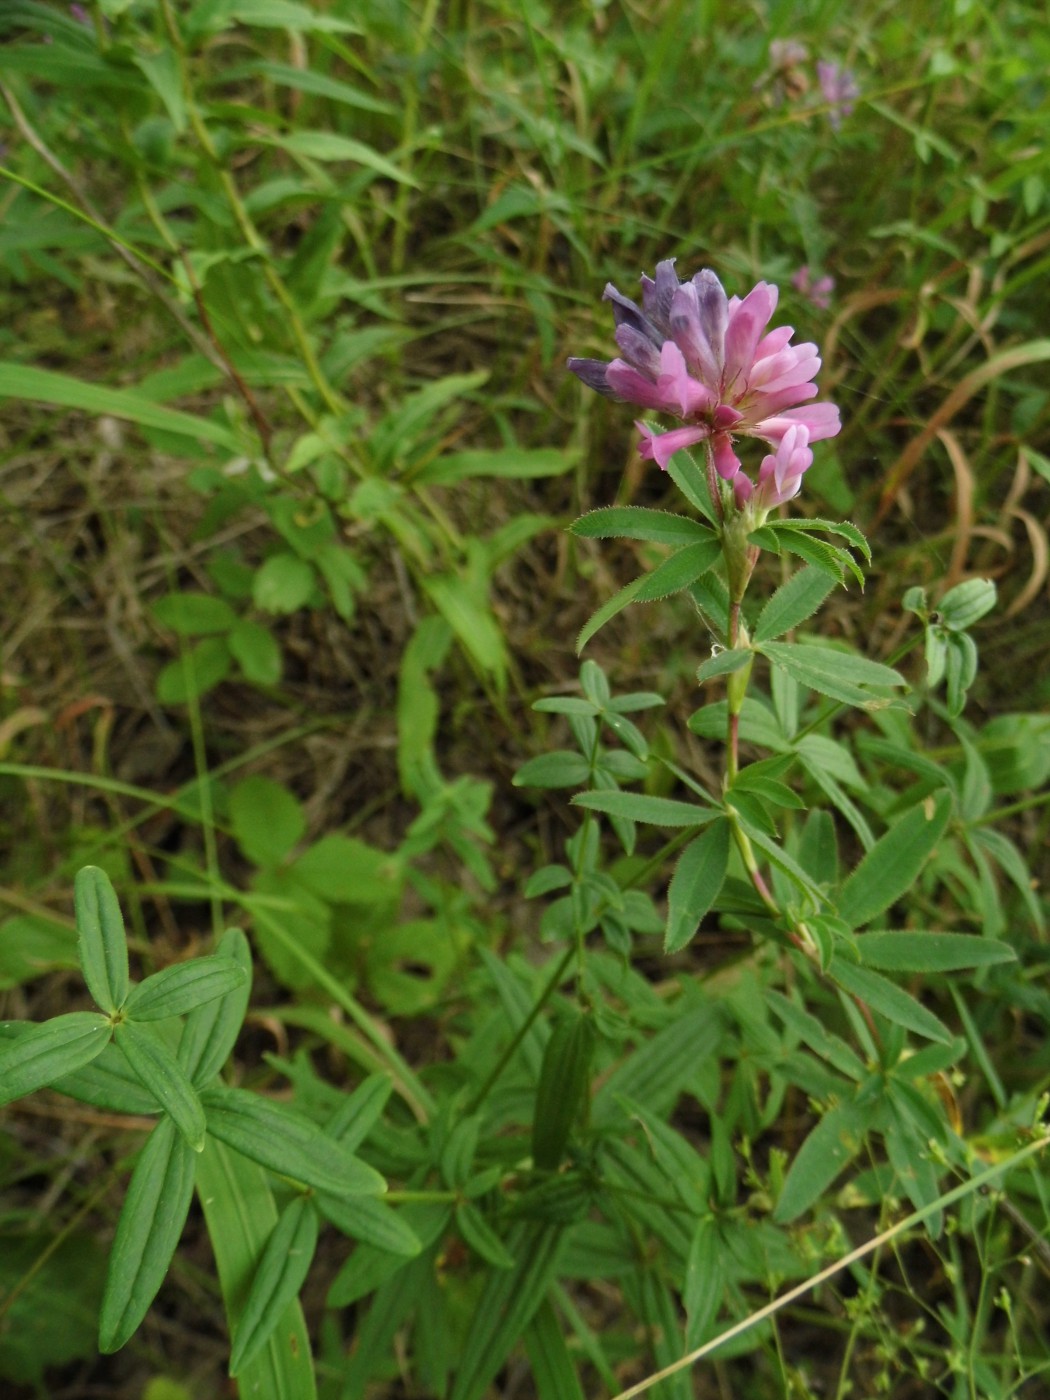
pixel 746 395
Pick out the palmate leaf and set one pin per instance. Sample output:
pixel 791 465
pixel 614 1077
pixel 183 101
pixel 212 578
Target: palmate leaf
pixel 148 1230
pixel 640 523
pixel 161 1073
pixel 183 987
pixel 286 1142
pixel 675 573
pixel 639 807
pixel 917 950
pixel 881 995
pixel 279 1276
pixel 835 1140
pixel 793 603
pixel 101 941
pixel 841 675
pixel 830 559
pixel 512 1299
pixel 42 1054
pixel 694 887
pixel 890 868
pixel 240 1214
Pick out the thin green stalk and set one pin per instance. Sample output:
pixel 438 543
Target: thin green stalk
pixel 408 1083
pixel 530 1020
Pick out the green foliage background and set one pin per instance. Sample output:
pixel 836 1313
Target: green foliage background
pixel 289 454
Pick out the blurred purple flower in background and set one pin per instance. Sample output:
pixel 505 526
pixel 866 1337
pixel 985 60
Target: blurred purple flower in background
pixel 707 359
pixel 818 291
pixel 838 87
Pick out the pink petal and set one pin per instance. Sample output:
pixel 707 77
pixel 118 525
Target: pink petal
pixel 727 463
pixel 661 447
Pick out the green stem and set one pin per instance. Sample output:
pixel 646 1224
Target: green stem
pixel 501 1064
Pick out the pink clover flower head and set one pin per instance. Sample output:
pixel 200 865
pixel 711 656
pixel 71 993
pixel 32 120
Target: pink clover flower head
pixel 780 475
pixel 708 360
pixel 839 88
pixel 818 290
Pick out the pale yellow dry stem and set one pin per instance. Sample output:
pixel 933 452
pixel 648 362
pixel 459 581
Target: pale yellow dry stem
pixel 964 493
pixel 1040 561
pixel 976 1183
pixel 1032 352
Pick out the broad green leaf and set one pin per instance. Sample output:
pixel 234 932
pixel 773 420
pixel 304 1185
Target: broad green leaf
pixel 908 1149
pixel 210 1031
pixel 369 1265
pixel 890 868
pixel 256 651
pixel 44 1053
pixel 813 1033
pixel 101 940
pixel 267 820
pixel 830 559
pixel 179 989
pixel 327 146
pixel 705 1282
pixel 758 724
pixel 918 950
pixel 283 584
pixel 287 1143
pixel 506 463
pixel 161 1073
pixel 218 15
pixel 656 1071
pixel 553 1372
pixel 360 1111
pixel 679 570
pixel 512 1299
pixel 278 1278
pixel 28 382
pixel 637 806
pixel 32 945
pixel 371 1221
pixel 689 477
pixel 675 573
pixel 818 848
pixel 792 603
pixel 695 884
pixel 518 1007
pixel 148 1231
pixel 889 1000
pixel 845 529
pixel 240 1214
pixel 194 614
pixel 481 1238
pixel 567 705
pixel 346 870
pixel 640 523
pixel 199 669
pixel 836 1140
pixel 559 769
pixel 564 1081
pixel 107 1082
pixel 306 80
pixel 467 610
pixel 960 666
pixel 724 662
pixel 966 603
pixel 840 674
